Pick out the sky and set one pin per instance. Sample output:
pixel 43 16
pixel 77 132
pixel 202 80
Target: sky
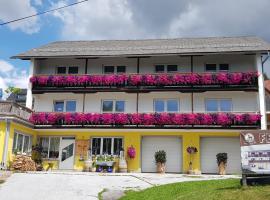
pixel 121 19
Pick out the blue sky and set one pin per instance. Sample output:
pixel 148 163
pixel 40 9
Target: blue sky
pixel 121 19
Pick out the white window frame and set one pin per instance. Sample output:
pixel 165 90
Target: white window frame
pixel 166 68
pixel 165 104
pixel 49 143
pixel 114 105
pixel 101 144
pixel 115 69
pixel 217 67
pixel 29 149
pixel 65 103
pixel 218 100
pixel 67 69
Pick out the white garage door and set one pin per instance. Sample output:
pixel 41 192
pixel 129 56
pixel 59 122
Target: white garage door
pixel 171 145
pixel 211 146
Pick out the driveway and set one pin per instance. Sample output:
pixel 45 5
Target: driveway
pixel 84 186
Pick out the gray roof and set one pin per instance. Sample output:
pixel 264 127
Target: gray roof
pixel 148 47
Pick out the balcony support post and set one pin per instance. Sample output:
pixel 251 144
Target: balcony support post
pixel 85 71
pixel 137 94
pixel 261 94
pixel 29 95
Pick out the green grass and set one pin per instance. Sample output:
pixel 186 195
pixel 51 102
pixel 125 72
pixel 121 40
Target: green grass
pixel 229 189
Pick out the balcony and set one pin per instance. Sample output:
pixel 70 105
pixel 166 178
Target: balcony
pixel 12 109
pixel 147 120
pixel 182 82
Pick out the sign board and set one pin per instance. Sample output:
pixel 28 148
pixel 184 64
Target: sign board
pixel 255 152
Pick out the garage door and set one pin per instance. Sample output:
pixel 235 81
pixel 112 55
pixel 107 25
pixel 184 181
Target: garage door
pixel 171 145
pixel 211 146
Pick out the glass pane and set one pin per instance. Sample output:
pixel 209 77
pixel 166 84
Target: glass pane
pixel 159 68
pixel 210 67
pixel 54 147
pixel 108 69
pixel 224 67
pixel 107 146
pixel 67 152
pixel 225 105
pixel 44 143
pixel 59 106
pixel 96 144
pixel 26 144
pixel 61 70
pixel 73 70
pixel 117 145
pixel 20 143
pixel 172 68
pixel 14 142
pixel 119 106
pixel 107 106
pixel 121 69
pixel 211 105
pixel 159 105
pixel 70 106
pixel 172 105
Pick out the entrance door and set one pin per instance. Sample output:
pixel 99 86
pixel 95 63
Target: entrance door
pixel 67 153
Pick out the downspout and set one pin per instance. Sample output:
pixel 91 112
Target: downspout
pixel 5 152
pixel 138 71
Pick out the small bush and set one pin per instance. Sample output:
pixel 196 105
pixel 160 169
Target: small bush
pixel 160 156
pixel 222 157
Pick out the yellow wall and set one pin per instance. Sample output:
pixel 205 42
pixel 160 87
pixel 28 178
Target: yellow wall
pixel 134 139
pixel 2 138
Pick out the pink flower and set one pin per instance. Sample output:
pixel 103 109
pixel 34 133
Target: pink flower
pixel 121 119
pixel 131 152
pixel 223 119
pixel 96 80
pixel 164 79
pixel 52 118
pixel 207 119
pixel 147 119
pixel 42 80
pixel 68 118
pixel 149 79
pixel 33 80
pixel 109 80
pixel 222 78
pixel 236 78
pixel 83 79
pixel 58 80
pixel 107 119
pixel 207 79
pixel 121 79
pixel 72 80
pixel 179 79
pixel 135 119
pixel 135 79
pixel 178 119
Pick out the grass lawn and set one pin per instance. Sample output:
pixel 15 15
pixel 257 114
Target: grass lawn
pixel 229 189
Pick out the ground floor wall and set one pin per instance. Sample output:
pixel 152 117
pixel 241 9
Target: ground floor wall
pixel 134 138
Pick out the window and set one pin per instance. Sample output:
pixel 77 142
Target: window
pixel 50 147
pixel 107 145
pixel 67 70
pixel 22 143
pixel 166 68
pixel 73 70
pixel 166 105
pixel 214 68
pixel 65 106
pixel 114 69
pixel 218 105
pixel 113 106
pixel 61 70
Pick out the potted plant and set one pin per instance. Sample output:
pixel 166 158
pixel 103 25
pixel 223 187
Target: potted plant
pixel 160 158
pixel 191 151
pixel 222 162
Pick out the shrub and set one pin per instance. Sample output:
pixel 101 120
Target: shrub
pixel 160 156
pixel 222 157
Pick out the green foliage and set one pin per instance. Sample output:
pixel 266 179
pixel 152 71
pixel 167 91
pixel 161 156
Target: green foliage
pixel 12 89
pixel 36 154
pixel 222 157
pixel 160 156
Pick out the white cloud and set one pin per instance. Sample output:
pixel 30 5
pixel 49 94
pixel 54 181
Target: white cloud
pixel 13 9
pixel 10 76
pixel 37 2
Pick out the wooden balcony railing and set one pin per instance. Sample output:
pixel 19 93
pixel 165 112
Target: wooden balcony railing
pixel 9 108
pixel 145 120
pixel 235 81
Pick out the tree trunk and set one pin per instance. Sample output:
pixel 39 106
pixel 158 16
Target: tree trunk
pixel 161 168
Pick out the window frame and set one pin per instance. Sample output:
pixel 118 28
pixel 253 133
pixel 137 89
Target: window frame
pixel 49 145
pixel 166 68
pixel 101 144
pixel 67 70
pixel 115 69
pixel 16 142
pixel 218 101
pixel 65 105
pixel 114 105
pixel 217 67
pixel 166 104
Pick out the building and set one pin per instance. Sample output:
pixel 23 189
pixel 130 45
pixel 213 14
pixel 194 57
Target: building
pixel 19 97
pixel 161 94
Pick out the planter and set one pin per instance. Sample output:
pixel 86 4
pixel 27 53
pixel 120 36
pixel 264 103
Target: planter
pixel 88 165
pixel 161 168
pixel 123 166
pixel 222 168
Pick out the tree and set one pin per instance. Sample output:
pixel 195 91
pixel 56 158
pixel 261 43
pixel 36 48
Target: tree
pixel 12 89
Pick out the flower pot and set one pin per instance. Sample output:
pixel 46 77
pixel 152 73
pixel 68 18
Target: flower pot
pixel 222 168
pixel 161 168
